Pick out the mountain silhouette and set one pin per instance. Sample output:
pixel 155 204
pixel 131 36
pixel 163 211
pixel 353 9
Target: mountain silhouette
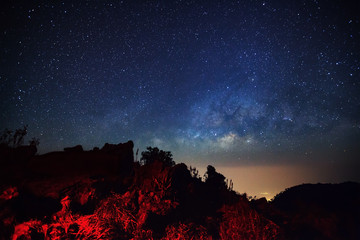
pixel 323 211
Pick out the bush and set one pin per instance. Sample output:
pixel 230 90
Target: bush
pixel 154 154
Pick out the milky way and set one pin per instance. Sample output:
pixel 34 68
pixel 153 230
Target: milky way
pixel 233 80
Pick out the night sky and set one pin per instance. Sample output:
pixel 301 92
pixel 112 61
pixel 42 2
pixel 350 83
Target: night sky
pixel 237 84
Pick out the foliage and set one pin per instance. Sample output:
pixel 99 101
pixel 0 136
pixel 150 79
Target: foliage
pixel 154 154
pixel 119 216
pixel 18 137
pixel 151 205
pixel 34 142
pixel 15 138
pixel 6 137
pixel 182 231
pixel 122 216
pixel 194 172
pixel 229 184
pixel 214 179
pixel 242 222
pixel 163 202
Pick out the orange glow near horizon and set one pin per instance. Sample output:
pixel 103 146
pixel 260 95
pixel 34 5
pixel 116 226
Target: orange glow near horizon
pixel 267 181
pixel 263 181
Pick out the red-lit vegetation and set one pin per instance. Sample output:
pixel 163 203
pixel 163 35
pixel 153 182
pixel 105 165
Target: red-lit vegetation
pixel 156 200
pixel 126 215
pixel 147 209
pixel 242 222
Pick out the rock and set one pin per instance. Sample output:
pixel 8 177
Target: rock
pixel 112 159
pixel 125 153
pixel 77 148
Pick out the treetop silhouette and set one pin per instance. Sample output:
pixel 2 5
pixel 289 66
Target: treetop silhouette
pixel 155 154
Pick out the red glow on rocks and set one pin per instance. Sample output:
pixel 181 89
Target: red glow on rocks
pixel 158 201
pixel 9 193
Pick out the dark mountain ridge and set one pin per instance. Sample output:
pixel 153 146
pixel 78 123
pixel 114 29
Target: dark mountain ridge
pixel 328 211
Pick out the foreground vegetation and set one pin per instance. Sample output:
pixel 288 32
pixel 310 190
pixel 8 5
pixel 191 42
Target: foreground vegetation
pixel 157 199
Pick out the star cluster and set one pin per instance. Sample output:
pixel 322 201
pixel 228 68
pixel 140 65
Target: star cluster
pixel 239 81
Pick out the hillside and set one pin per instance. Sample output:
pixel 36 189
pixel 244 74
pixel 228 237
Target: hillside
pixel 104 194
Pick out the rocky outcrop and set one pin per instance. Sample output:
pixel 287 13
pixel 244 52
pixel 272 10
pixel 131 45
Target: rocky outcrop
pixel 124 152
pixel 112 159
pixel 77 148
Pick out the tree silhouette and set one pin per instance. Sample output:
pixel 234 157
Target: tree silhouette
pixel 13 139
pixel 214 179
pixel 6 137
pixel 155 154
pixel 194 172
pixel 19 135
pixel 34 142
